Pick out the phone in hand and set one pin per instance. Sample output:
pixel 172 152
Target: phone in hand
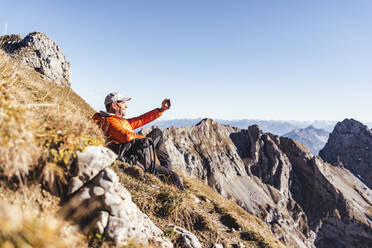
pixel 168 103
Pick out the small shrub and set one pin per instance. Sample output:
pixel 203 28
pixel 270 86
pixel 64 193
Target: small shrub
pixel 169 203
pixel 256 237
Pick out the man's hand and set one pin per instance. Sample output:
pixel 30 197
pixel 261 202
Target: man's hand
pixel 165 105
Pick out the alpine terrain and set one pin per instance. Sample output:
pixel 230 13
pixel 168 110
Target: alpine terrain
pixel 61 187
pixel 305 201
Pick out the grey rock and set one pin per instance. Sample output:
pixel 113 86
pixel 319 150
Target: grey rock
pixel 39 52
pixel 189 239
pixel 111 176
pixel 98 191
pixel 278 180
pixel 240 245
pixel 102 221
pixel 89 163
pixel 112 202
pixel 84 194
pixel 119 218
pixel 350 146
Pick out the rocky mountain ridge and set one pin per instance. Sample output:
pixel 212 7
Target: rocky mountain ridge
pixel 312 138
pixel 305 201
pixel 278 127
pixel 350 146
pixel 39 52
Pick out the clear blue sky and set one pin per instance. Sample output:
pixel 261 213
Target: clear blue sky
pixel 279 60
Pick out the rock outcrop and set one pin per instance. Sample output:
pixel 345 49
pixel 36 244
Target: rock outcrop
pixel 189 240
pixel 350 145
pixel 305 201
pixel 311 137
pixel 100 203
pixel 39 52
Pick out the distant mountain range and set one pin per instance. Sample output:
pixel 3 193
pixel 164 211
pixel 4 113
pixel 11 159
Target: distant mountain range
pixel 271 126
pixel 312 134
pixel 311 137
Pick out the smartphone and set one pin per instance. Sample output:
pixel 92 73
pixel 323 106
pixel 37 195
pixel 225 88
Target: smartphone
pixel 168 103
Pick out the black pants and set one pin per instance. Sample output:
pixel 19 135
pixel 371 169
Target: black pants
pixel 164 170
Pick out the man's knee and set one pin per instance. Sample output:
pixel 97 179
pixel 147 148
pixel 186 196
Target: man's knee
pixel 156 135
pixel 157 132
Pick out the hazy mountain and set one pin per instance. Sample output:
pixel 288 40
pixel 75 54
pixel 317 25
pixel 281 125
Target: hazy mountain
pixel 271 126
pixel 174 123
pixel 312 138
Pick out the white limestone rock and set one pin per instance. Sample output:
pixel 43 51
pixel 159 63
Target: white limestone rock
pixel 41 53
pixel 89 164
pixel 102 221
pixel 119 218
pixel 189 239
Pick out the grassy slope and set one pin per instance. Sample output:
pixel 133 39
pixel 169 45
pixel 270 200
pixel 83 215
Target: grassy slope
pixel 42 127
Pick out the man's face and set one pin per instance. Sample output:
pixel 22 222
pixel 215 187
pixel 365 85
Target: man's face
pixel 120 108
pixel 123 107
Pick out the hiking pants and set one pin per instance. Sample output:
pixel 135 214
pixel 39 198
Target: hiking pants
pixel 165 167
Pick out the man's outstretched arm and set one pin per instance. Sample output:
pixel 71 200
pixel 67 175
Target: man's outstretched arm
pixel 148 117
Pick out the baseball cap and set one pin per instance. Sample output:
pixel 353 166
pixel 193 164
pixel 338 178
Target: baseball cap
pixel 115 97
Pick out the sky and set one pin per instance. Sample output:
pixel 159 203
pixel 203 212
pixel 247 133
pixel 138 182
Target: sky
pixel 249 59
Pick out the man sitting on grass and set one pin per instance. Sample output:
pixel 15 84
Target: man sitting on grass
pixel 130 146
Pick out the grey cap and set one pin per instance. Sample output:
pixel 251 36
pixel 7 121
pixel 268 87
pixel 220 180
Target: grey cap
pixel 115 97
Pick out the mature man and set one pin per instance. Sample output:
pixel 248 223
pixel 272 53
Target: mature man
pixel 126 143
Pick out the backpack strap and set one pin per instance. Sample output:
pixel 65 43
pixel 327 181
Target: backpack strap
pixel 153 161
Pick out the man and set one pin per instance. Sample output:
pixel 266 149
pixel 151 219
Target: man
pixel 125 142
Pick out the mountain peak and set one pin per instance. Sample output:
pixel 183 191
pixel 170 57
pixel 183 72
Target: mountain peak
pixel 310 127
pixel 350 145
pixel 206 121
pixel 350 126
pixel 41 53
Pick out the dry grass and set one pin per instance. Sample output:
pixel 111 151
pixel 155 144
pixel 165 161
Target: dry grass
pixel 42 126
pixel 17 142
pixel 200 209
pixel 28 219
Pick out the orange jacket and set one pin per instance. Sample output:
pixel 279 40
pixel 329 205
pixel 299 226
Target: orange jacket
pixel 120 130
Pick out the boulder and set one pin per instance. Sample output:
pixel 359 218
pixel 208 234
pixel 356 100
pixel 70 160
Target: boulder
pixel 98 202
pixel 104 205
pixel 189 240
pixel 41 53
pixel 89 164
